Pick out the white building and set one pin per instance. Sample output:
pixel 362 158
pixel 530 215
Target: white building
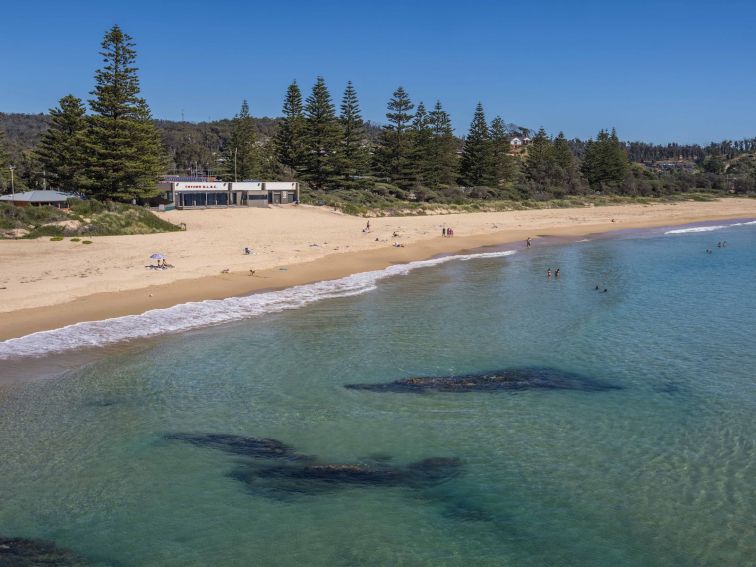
pixel 516 142
pixel 205 194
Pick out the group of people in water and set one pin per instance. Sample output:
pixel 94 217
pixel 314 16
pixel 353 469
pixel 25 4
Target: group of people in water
pixel 556 273
pixel 720 244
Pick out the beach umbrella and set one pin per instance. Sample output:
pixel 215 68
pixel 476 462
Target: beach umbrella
pixel 158 256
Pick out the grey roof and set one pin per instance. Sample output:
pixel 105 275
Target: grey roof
pixel 38 197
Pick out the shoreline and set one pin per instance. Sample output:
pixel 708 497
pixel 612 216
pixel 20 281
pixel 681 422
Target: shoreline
pixel 111 304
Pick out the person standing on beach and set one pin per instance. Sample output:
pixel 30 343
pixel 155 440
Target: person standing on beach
pixel 443 232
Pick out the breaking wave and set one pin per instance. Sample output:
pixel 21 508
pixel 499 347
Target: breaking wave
pixel 707 228
pixel 193 315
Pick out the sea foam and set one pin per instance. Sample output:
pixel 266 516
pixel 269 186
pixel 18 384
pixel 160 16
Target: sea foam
pixel 193 315
pixel 707 228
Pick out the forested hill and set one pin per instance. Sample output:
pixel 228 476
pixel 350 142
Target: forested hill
pixel 195 142
pixel 187 143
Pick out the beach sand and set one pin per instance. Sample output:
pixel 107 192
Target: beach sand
pixel 46 285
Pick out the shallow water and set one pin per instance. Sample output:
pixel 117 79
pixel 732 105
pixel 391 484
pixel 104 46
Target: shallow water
pixel 657 472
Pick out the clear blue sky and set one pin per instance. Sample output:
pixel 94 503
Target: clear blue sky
pixel 657 71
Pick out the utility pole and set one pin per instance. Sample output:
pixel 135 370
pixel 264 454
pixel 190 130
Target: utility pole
pixel 13 189
pixel 235 164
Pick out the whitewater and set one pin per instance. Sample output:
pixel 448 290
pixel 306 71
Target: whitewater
pixel 709 228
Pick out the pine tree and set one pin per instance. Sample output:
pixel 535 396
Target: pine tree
pixel 422 147
pixel 605 163
pixel 322 134
pixel 241 152
pixel 4 164
pixel 565 160
pixel 541 165
pixel 353 154
pixel 503 164
pixel 61 149
pixel 395 151
pixel 444 149
pixel 475 167
pixel 290 135
pixel 124 152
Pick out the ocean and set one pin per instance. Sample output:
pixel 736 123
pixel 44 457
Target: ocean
pixel 222 433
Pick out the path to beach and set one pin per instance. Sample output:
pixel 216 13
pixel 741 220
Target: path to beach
pixel 46 284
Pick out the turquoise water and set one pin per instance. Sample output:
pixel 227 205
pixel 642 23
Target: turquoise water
pixel 657 472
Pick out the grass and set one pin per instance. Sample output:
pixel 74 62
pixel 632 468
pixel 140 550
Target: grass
pixel 368 205
pixel 84 218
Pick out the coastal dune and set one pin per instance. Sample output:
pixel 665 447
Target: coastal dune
pixel 46 285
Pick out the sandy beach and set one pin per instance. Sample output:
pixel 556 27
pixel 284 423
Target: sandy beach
pixel 45 284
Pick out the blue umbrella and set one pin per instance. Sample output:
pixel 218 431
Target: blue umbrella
pixel 158 256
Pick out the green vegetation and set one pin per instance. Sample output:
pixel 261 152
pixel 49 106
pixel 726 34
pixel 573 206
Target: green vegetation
pixel 241 155
pixel 115 152
pixel 90 218
pixel 344 201
pixel 123 148
pixel 56 239
pixel 413 162
pixel 61 151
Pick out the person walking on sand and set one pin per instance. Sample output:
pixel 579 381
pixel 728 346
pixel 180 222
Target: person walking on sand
pixel 443 232
pixel 367 228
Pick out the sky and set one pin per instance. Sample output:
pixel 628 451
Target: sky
pixel 656 71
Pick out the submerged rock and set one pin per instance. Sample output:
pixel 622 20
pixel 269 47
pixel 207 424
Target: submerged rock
pixel 20 552
pixel 238 445
pixel 314 478
pixel 507 379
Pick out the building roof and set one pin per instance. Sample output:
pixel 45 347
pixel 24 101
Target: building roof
pixel 40 196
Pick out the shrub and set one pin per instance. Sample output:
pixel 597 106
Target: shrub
pixel 86 242
pixel 56 239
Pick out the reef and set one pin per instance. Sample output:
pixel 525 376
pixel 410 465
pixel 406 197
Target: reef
pixel 326 477
pixel 238 445
pixel 305 474
pixel 20 552
pixel 511 379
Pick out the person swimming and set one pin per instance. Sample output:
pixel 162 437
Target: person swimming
pixel 557 272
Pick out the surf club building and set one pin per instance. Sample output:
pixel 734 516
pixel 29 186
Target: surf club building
pixel 214 194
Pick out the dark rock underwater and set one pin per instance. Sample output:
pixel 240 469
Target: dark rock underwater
pixel 22 552
pixel 512 379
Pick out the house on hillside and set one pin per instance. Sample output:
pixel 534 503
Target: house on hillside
pixel 517 142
